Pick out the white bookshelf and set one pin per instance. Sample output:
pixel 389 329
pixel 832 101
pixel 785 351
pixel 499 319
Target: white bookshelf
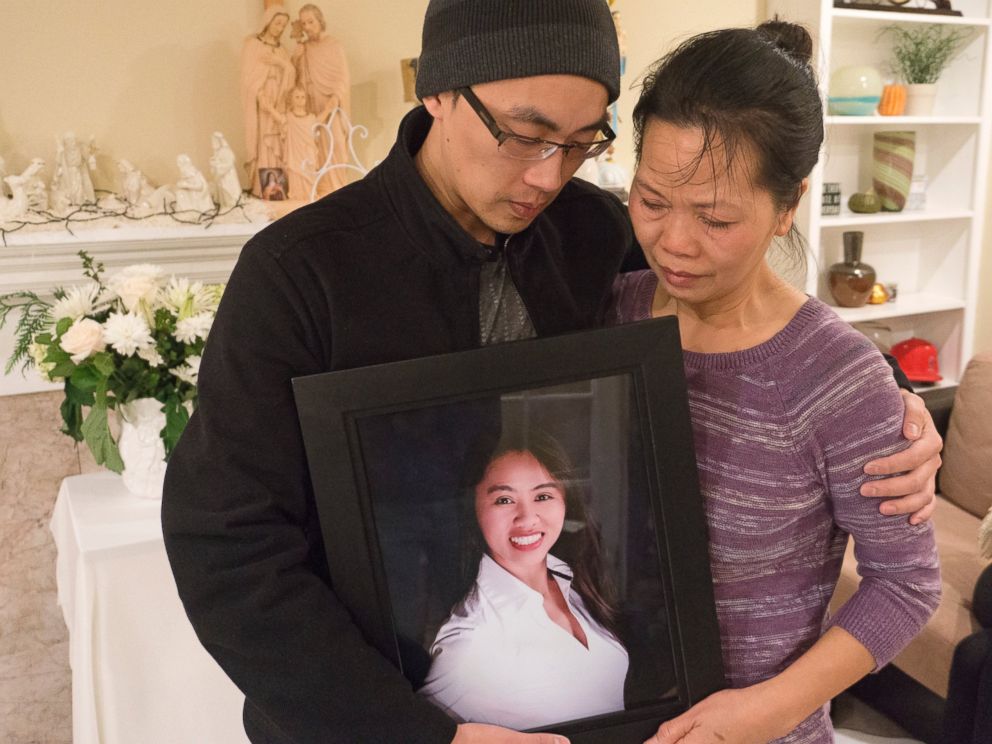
pixel 931 254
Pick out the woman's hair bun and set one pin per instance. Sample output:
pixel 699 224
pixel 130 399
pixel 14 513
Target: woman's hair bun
pixel 791 38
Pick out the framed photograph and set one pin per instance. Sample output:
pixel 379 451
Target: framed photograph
pixel 519 528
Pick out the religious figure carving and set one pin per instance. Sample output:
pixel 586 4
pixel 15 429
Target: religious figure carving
pixel 17 206
pixel 267 75
pixel 141 196
pixel 302 145
pixel 35 188
pixel 223 166
pixel 71 184
pixel 192 190
pixel 322 71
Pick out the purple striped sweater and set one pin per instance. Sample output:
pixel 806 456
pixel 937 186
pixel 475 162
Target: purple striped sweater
pixel 782 431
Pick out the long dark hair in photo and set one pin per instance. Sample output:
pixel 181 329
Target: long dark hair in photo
pixel 753 93
pixel 579 544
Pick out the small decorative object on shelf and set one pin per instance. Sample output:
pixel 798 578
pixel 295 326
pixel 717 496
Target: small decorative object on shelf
pixel 893 101
pixel 893 290
pixel 918 359
pixel 892 167
pixel 864 202
pixel 830 203
pixel 879 294
pixel 917 199
pixel 131 343
pixel 941 7
pixel 921 55
pixel 855 90
pixel 851 282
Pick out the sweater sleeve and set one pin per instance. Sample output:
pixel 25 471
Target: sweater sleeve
pixel 857 417
pixel 235 514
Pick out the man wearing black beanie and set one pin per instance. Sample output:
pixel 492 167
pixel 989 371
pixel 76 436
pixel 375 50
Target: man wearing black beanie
pixel 469 233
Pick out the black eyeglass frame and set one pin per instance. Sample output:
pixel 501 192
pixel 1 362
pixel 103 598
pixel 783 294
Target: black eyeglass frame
pixel 595 148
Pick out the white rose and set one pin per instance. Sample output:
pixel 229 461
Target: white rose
pixel 136 284
pixel 84 338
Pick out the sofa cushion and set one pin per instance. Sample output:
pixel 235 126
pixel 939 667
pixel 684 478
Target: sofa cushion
pixel 927 659
pixel 966 477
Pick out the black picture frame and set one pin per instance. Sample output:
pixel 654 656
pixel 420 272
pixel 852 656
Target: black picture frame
pixel 633 373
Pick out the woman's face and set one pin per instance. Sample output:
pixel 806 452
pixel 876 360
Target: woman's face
pixel 277 26
pixel 704 232
pixel 520 508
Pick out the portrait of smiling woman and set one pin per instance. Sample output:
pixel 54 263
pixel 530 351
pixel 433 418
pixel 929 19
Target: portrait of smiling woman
pixel 533 641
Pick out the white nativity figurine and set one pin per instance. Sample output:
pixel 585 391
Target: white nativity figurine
pixel 192 191
pixel 35 188
pixel 223 166
pixel 72 185
pixel 142 198
pixel 17 206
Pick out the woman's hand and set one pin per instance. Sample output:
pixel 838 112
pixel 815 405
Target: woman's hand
pixel 913 492
pixel 741 716
pixel 480 733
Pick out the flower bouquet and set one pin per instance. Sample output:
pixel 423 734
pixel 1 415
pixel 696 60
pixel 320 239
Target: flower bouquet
pixel 131 343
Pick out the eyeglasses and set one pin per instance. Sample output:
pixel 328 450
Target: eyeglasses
pixel 533 148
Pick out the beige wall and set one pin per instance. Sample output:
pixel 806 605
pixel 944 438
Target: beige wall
pixel 152 79
pixel 983 324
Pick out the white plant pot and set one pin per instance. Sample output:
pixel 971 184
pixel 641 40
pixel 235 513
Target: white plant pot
pixel 920 98
pixel 141 447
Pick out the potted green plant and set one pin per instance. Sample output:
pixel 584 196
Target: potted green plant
pixel 921 53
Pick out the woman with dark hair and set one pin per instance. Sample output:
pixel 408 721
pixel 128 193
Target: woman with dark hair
pixel 533 641
pixel 788 402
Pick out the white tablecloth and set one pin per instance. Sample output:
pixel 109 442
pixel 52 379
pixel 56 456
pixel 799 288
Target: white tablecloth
pixel 138 672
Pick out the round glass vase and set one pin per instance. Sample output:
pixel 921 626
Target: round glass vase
pixel 141 447
pixel 851 281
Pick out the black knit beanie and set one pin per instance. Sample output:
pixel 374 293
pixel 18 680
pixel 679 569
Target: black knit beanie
pixel 478 41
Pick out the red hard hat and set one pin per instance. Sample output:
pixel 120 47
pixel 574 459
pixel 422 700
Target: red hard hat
pixel 918 359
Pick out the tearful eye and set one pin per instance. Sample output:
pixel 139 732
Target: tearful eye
pixel 715 224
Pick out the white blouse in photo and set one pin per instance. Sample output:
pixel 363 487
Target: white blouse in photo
pixel 500 659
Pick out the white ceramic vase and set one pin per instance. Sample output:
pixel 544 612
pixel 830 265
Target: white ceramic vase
pixel 920 98
pixel 141 447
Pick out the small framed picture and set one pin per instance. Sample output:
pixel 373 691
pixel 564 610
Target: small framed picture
pixel 274 183
pixel 519 528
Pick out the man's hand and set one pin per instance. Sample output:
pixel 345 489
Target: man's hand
pixel 913 492
pixel 480 733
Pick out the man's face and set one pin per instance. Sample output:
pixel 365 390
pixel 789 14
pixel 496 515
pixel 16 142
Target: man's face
pixel 487 191
pixel 311 26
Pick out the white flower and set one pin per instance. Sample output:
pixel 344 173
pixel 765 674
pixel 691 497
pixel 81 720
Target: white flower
pixel 38 353
pixel 151 355
pixel 84 338
pixel 78 302
pixel 190 371
pixel 127 333
pixel 185 298
pixel 192 328
pixel 136 284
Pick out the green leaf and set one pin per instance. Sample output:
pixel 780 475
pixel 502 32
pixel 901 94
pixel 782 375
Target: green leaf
pixel 104 362
pixel 86 378
pixel 96 433
pixel 72 417
pixel 176 418
pixel 62 369
pixel 78 396
pixel 62 326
